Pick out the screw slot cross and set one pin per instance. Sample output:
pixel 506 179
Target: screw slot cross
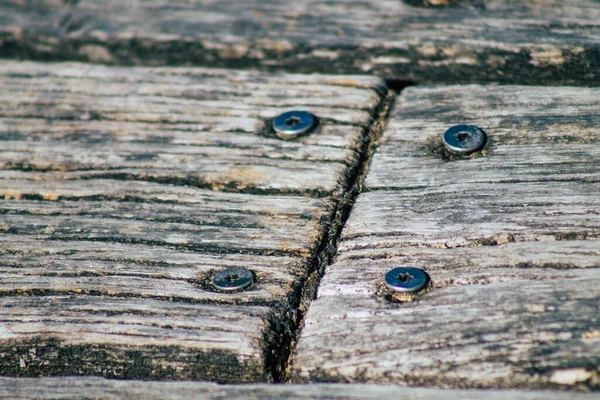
pixel 233 279
pixel 293 121
pixel 293 124
pixel 464 139
pixel 463 136
pixel 405 277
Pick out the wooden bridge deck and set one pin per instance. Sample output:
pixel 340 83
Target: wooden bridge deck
pixel 138 159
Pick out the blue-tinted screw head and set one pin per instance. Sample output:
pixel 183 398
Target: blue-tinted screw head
pixel 406 279
pixel 233 279
pixel 464 139
pixel 292 124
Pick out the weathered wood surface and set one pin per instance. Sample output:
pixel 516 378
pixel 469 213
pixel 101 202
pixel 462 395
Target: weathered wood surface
pixel 509 237
pixel 125 189
pixel 529 42
pixel 207 128
pixel 76 388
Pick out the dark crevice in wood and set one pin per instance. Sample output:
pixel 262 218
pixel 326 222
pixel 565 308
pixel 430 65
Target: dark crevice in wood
pixel 198 182
pixel 557 266
pixel 77 167
pixel 398 85
pixel 475 242
pixel 522 265
pixel 225 222
pixel 153 243
pixel 133 199
pixel 198 76
pixel 26 167
pixel 80 136
pixel 106 313
pixel 286 322
pixel 204 282
pixel 86 115
pixel 193 100
pixel 41 292
pixel 507 181
pixel 79 115
pixel 121 261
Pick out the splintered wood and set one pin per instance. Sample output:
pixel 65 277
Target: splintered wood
pixel 125 189
pixel 509 236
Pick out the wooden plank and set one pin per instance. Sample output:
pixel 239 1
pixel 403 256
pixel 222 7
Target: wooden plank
pixel 198 127
pixel 128 337
pixel 124 190
pixel 527 42
pixel 72 388
pixel 509 236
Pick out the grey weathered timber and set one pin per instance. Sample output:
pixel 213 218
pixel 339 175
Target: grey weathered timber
pixel 208 128
pixel 76 388
pixel 529 42
pixel 509 236
pixel 124 190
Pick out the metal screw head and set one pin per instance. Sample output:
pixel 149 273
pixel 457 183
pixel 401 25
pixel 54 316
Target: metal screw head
pixel 406 279
pixel 464 139
pixel 292 124
pixel 233 279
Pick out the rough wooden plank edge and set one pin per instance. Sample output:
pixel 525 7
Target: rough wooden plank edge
pixel 76 388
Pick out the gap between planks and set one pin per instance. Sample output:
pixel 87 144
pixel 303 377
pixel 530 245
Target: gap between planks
pixel 62 201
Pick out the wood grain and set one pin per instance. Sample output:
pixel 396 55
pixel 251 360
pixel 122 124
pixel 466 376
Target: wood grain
pixel 206 128
pixel 528 42
pixel 509 236
pixel 72 388
pixel 124 190
pixel 130 338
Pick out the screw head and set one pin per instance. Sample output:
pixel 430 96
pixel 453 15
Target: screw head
pixel 233 279
pixel 406 279
pixel 292 124
pixel 464 139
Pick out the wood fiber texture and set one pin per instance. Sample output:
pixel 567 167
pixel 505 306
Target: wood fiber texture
pixel 527 42
pixel 509 236
pixel 125 189
pixel 72 388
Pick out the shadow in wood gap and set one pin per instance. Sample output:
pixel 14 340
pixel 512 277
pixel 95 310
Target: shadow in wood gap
pixel 279 353
pixel 398 85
